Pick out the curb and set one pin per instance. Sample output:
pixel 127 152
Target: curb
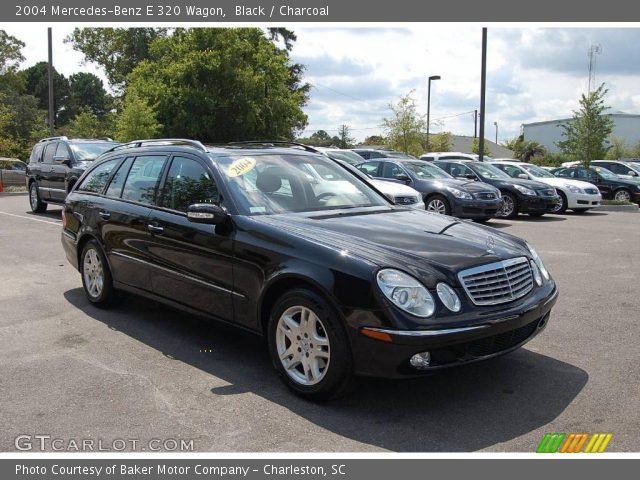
pixel 618 208
pixel 10 194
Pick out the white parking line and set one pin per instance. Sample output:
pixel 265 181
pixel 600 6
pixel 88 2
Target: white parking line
pixel 31 218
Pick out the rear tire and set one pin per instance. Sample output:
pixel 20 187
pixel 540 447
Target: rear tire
pixel 308 346
pixel 36 203
pixel 96 276
pixel 622 195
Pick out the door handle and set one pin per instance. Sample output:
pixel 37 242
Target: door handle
pixel 104 214
pixel 155 228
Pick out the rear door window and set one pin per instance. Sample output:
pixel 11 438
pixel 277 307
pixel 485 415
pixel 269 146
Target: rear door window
pixel 117 182
pixel 142 180
pixel 49 152
pixel 36 154
pixel 97 179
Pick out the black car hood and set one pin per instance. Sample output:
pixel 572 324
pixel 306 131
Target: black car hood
pixel 532 184
pixel 470 186
pixel 420 242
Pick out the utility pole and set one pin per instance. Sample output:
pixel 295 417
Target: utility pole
pixel 431 78
pixel 475 123
pixel 51 113
pixel 483 85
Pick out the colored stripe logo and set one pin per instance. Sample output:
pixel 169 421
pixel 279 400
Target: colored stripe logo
pixel 574 442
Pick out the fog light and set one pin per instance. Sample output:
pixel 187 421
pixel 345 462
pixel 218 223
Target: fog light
pixel 421 360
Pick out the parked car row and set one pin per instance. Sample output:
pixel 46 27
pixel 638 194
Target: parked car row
pixel 12 171
pixel 291 244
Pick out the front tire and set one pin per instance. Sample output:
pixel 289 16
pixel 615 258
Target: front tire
pixel 96 276
pixel 36 203
pixel 308 346
pixel 509 206
pixel 438 204
pixel 562 206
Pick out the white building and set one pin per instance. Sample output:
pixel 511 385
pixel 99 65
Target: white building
pixel 626 126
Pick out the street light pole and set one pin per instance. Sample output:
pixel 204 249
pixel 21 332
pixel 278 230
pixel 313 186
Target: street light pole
pixel 432 77
pixel 496 124
pixel 50 75
pixel 483 89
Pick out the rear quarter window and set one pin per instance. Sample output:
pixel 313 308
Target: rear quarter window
pixel 36 154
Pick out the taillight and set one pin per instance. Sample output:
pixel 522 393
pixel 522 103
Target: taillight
pixel 64 219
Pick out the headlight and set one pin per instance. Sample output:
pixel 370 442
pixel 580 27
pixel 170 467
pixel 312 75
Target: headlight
pixel 536 273
pixel 459 193
pixel 538 261
pixel 406 293
pixel 524 190
pixel 574 189
pixel 448 296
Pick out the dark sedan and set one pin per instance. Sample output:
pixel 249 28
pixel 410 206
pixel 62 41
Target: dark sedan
pixel 611 186
pixel 340 282
pixel 518 195
pixel 441 192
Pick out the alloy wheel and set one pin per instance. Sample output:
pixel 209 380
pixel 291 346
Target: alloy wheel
pixel 507 206
pixel 33 196
pixel 437 206
pixel 622 196
pixel 303 346
pixel 93 273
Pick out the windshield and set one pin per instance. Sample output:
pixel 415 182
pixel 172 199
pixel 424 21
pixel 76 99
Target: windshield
pixel 270 184
pixel 604 173
pixel 488 171
pixel 85 152
pixel 346 156
pixel 537 171
pixel 426 170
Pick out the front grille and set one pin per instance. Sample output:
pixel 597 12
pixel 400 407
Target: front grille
pixel 502 341
pixel 591 191
pixel 485 196
pixel 547 192
pixel 499 282
pixel 406 200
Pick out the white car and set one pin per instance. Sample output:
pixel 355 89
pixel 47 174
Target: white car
pixel 431 156
pixel 574 194
pixel 396 192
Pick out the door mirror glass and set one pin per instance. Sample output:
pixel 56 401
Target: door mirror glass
pixel 207 213
pixel 470 176
pixel 632 173
pixel 524 176
pixel 60 160
pixel 402 178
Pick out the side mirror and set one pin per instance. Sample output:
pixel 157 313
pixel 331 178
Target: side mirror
pixel 207 213
pixel 471 176
pixel 632 173
pixel 60 160
pixel 403 178
pixel 524 176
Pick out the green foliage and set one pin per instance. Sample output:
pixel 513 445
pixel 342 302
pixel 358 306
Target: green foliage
pixel 117 50
pixel 10 53
pixel 585 134
pixel 36 80
pixel 618 149
pixel 475 147
pixel 404 129
pixel 344 138
pixel 525 150
pixel 85 125
pixel 137 120
pixel 374 140
pixel 86 91
pixel 222 84
pixel 320 139
pixel 21 124
pixel 551 159
pixel 440 142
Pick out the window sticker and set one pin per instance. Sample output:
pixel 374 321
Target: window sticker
pixel 241 166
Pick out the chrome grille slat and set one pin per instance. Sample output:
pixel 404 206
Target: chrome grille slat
pixel 499 282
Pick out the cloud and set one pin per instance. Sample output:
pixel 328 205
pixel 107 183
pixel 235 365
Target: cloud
pixel 326 66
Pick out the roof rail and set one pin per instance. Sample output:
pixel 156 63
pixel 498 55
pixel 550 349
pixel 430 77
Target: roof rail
pixel 161 141
pixel 50 139
pixel 274 143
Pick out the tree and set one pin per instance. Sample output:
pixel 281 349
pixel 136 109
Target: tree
pixel 525 150
pixel 221 84
pixel 475 147
pixel 618 149
pixel 137 120
pixel 117 50
pixel 374 140
pixel 585 134
pixel 440 142
pixel 10 53
pixel 36 83
pixel 85 124
pixel 86 91
pixel 404 129
pixel 344 138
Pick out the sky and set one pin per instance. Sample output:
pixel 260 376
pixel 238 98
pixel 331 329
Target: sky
pixel 533 74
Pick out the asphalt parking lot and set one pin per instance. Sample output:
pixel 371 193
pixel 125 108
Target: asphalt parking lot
pixel 142 371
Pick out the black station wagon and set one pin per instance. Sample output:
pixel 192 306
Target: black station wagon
pixel 339 281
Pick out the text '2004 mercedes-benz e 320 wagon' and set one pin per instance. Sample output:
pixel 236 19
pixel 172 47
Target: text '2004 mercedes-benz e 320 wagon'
pixel 289 244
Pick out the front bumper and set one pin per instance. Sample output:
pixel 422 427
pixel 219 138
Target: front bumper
pixel 499 333
pixel 475 208
pixel 537 204
pixel 583 200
